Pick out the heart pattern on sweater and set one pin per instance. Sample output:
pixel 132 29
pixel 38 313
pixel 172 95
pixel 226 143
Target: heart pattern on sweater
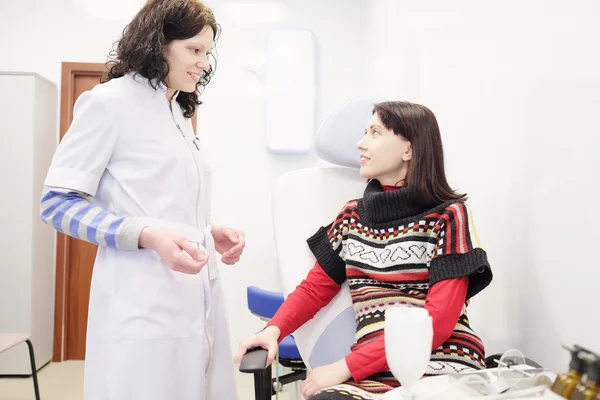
pixel 388 254
pixel 418 251
pixel 354 249
pixel 370 256
pixel 400 254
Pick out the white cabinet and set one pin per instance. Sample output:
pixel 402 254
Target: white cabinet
pixel 28 137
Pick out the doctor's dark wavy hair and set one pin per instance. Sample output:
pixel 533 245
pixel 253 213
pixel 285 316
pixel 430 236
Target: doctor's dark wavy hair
pixel 426 178
pixel 157 24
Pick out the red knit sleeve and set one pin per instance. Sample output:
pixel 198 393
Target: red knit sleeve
pixel 444 303
pixel 313 293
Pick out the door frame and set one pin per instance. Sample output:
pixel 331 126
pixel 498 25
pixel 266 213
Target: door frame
pixel 69 71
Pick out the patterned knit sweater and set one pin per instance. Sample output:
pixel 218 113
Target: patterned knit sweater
pixel 391 250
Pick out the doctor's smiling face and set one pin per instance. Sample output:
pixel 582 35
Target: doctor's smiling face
pixel 169 42
pixel 188 61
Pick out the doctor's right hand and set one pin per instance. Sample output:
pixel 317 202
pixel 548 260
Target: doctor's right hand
pixel 174 250
pixel 267 339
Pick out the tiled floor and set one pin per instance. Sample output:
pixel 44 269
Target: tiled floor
pixel 64 381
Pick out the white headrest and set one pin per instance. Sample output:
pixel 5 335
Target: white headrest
pixel 337 138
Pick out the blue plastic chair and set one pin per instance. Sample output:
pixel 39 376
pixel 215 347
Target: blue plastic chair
pixel 264 304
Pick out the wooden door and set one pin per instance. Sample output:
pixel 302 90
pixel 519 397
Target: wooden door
pixel 74 257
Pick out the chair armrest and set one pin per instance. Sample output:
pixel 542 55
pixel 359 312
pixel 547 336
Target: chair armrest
pixel 255 360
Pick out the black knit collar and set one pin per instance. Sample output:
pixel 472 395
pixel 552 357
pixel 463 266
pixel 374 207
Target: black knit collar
pixel 380 206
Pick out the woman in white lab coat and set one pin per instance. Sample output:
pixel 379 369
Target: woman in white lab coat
pixel 131 177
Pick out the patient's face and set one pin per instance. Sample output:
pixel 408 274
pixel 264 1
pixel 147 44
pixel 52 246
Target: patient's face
pixel 383 155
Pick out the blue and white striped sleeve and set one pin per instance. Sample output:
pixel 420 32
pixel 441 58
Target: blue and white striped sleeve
pixel 71 213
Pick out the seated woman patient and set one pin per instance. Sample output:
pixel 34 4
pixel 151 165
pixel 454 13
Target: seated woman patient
pixel 410 241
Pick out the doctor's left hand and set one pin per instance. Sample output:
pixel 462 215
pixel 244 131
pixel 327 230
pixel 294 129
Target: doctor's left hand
pixel 229 243
pixel 174 250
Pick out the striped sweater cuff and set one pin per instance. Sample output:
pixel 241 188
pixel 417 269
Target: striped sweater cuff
pixel 129 237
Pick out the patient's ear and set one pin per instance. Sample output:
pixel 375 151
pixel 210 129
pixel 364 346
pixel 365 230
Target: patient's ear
pixel 407 155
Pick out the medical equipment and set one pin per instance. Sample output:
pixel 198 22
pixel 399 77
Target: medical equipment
pixel 515 377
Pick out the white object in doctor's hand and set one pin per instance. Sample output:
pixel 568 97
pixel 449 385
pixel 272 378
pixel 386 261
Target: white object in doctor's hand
pixel 408 334
pixel 175 250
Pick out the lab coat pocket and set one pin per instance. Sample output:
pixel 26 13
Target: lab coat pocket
pixel 154 302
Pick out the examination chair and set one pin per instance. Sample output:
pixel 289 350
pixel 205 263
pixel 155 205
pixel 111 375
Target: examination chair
pixel 303 201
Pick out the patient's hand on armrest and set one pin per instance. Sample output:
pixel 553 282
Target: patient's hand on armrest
pixel 267 339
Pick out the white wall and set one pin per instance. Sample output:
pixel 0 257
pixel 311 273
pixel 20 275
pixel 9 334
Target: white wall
pixel 516 91
pixel 562 170
pixel 38 35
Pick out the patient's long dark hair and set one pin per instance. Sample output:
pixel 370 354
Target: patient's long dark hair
pixel 426 177
pixel 156 25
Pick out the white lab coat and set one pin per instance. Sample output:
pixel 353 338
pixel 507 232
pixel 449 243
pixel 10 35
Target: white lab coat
pixel 153 334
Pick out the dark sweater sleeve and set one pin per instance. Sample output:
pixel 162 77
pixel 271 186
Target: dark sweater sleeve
pixel 327 245
pixel 458 252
